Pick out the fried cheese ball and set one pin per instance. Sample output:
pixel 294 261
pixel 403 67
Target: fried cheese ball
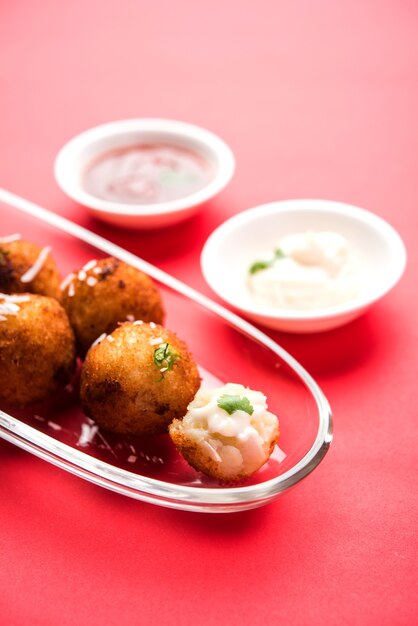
pixel 104 293
pixel 37 348
pixel 138 379
pixel 227 433
pixel 27 268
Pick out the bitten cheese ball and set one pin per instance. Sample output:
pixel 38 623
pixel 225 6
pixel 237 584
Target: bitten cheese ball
pixel 227 433
pixel 138 379
pixel 27 268
pixel 104 293
pixel 37 348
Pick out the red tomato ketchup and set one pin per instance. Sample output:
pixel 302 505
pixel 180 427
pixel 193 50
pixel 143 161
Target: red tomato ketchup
pixel 147 174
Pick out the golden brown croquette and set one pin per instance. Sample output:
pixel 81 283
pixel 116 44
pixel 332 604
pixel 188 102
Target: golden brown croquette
pixel 138 379
pixel 104 293
pixel 227 433
pixel 37 348
pixel 28 268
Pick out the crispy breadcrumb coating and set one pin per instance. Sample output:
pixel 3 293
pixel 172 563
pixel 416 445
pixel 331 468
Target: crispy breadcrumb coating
pixel 37 348
pixel 138 379
pixel 28 268
pixel 104 293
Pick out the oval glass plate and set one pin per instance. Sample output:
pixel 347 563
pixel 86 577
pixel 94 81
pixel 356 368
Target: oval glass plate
pixel 227 349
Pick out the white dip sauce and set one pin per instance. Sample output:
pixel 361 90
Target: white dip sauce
pixel 312 270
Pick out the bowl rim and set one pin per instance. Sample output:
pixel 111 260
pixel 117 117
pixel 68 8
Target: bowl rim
pixel 200 499
pixel 68 154
pixel 311 205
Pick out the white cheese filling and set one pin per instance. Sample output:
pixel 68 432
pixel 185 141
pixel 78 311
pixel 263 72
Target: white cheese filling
pixel 238 441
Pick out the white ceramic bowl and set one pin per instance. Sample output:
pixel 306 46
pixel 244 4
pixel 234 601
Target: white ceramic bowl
pixel 236 244
pixel 76 155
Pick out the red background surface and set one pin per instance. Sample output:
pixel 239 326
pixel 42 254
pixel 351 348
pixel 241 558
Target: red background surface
pixel 317 99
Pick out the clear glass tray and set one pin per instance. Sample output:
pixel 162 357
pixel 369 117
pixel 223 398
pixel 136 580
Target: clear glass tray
pixel 227 349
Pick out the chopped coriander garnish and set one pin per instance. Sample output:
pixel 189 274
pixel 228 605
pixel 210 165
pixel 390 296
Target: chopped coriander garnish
pixel 279 254
pixel 170 177
pixel 164 358
pixel 262 265
pixel 231 403
pixel 259 265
